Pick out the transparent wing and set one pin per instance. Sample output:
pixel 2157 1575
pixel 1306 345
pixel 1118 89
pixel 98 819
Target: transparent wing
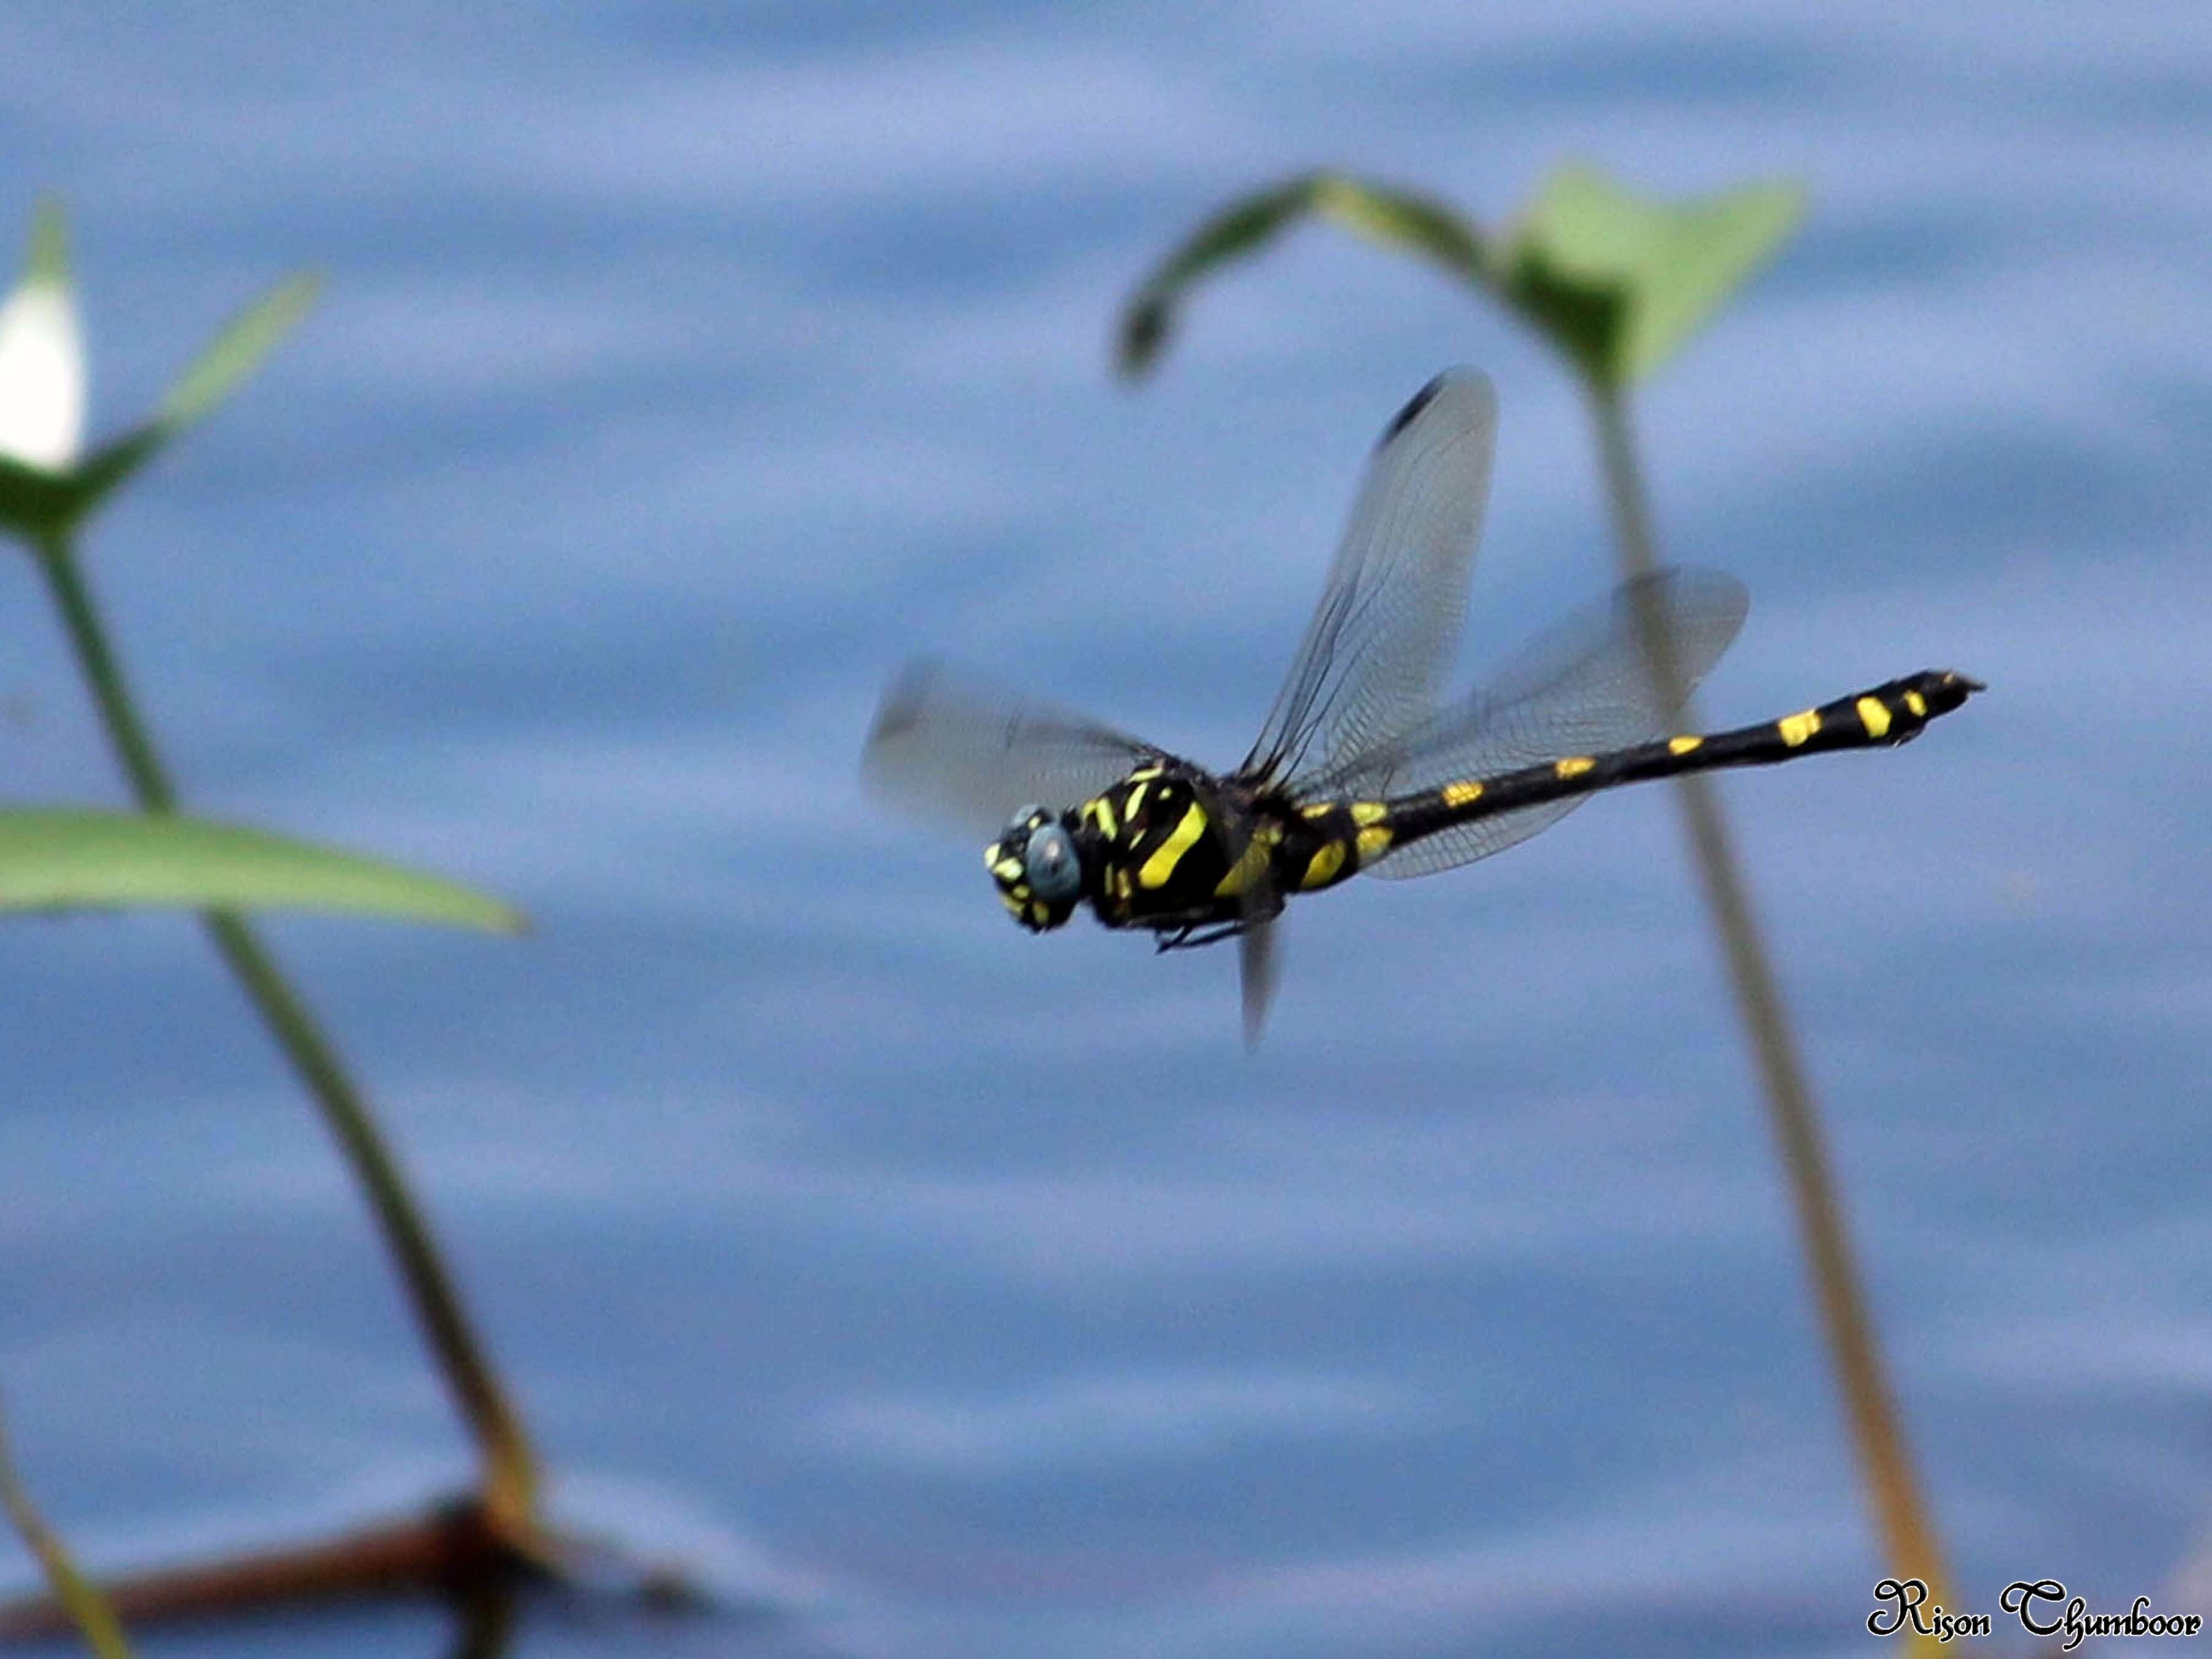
pixel 1580 689
pixel 1368 669
pixel 1258 962
pixel 967 754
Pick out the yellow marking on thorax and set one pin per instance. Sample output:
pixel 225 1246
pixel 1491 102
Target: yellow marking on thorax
pixel 1574 766
pixel 1797 730
pixel 1157 870
pixel 1122 888
pixel 1320 809
pixel 1040 912
pixel 1369 811
pixel 1458 794
pixel 1374 841
pixel 1251 866
pixel 1321 867
pixel 1873 716
pixel 1136 802
pixel 1684 745
pixel 1100 812
pixel 1014 906
pixel 1008 869
pixel 1917 704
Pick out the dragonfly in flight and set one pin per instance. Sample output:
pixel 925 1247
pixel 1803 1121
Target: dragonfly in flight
pixel 1358 770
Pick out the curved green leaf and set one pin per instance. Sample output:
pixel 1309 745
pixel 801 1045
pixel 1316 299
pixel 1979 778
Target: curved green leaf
pixel 1621 282
pixel 1240 229
pixel 1379 213
pixel 1403 219
pixel 54 859
pixel 1618 282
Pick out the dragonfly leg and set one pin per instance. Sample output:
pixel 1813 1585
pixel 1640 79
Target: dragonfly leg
pixel 1188 938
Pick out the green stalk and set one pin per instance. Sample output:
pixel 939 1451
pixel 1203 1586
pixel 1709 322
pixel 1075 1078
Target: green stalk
pixel 1909 1541
pixel 95 1620
pixel 509 1466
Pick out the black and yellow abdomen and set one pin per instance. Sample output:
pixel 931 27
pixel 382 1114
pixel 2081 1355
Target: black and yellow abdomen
pixel 1881 718
pixel 1331 841
pixel 1169 848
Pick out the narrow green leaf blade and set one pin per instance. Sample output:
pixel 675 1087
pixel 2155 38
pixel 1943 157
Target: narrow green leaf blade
pixel 1622 282
pixel 1237 231
pixel 211 377
pixel 61 858
pixel 106 467
pixel 1396 219
pixel 235 353
pixel 1405 221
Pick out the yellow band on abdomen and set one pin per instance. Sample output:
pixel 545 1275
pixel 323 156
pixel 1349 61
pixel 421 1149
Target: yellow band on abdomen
pixel 1798 730
pixel 1322 868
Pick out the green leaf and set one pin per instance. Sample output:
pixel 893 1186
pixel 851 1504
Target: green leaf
pixel 1394 218
pixel 42 505
pixel 1621 282
pixel 1618 282
pixel 53 859
pixel 235 353
pixel 211 378
pixel 1401 219
pixel 72 1589
pixel 1240 229
pixel 105 469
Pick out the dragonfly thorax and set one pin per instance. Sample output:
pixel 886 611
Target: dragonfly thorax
pixel 1156 847
pixel 1178 851
pixel 1153 850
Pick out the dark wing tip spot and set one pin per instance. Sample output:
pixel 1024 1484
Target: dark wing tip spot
pixel 1406 417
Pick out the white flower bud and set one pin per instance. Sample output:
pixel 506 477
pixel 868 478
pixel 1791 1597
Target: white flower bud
pixel 42 370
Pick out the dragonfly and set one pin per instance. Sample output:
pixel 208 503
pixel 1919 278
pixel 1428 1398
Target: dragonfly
pixel 1359 769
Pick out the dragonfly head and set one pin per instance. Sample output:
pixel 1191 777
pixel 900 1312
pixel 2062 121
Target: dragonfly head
pixel 1038 867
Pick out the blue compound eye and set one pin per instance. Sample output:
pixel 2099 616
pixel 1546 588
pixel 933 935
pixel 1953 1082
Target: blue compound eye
pixel 1056 873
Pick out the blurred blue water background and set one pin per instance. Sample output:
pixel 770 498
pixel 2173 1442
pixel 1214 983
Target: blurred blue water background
pixel 955 1292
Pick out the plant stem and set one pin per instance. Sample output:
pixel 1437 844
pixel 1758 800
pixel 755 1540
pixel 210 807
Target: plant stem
pixel 94 1619
pixel 1909 1541
pixel 509 1466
